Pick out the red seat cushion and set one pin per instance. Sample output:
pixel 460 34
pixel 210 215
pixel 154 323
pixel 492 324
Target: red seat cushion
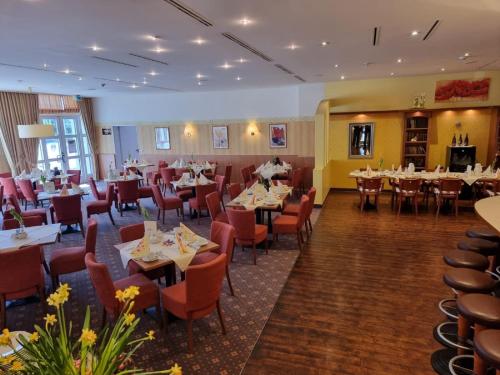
pixel 285 224
pixel 260 235
pixel 171 203
pixel 67 260
pixel 174 300
pixel 148 290
pixel 291 209
pixel 97 207
pixel 203 258
pixel 184 194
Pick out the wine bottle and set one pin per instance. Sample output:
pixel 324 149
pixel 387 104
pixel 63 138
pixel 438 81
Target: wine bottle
pixel 466 142
pixel 460 140
pixel 454 140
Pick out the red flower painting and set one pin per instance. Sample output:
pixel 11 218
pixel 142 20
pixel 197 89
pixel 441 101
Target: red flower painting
pixel 277 135
pixel 462 90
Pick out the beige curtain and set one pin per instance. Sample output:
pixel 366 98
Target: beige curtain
pixel 87 112
pixel 18 109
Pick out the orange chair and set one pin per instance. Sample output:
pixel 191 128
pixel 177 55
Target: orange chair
pixel 234 190
pixel 167 203
pixel 247 177
pixel 67 210
pixel 103 206
pixel 75 179
pixel 167 175
pixel 287 224
pixel 72 259
pixel 198 296
pixel 296 180
pixel 1 199
pixel 214 208
pixel 21 276
pixel 29 221
pixel 247 232
pixel 10 188
pixel 98 195
pixel 222 234
pixel 370 186
pixel 199 201
pixel 293 209
pixel 220 181
pixel 227 175
pixel 13 203
pixel 128 192
pixel 408 188
pixel 29 194
pixel 447 189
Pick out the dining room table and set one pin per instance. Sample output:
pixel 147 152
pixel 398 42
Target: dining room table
pixel 84 189
pixel 489 210
pixel 115 179
pixel 36 235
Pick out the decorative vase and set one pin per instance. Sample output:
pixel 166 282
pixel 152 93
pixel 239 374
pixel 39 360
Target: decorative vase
pixel 21 233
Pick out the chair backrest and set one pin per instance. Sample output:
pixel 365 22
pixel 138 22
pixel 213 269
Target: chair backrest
pixel 371 183
pixel 220 181
pixel 246 175
pixel 68 208
pixel 128 190
pixel 296 178
pixel 223 234
pixel 251 169
pixel 312 196
pixel 202 191
pixel 131 232
pixel 167 174
pixel 28 221
pixel 158 196
pixel 21 270
pixel 9 186
pixel 27 189
pixel 243 222
pixel 93 187
pixel 13 202
pixel 76 176
pixel 410 184
pixel 234 190
pixel 5 174
pixel 180 171
pixel 213 204
pixel 101 279
pixel 162 164
pixel 227 173
pixel 453 185
pixel 204 283
pixel 110 194
pixel 91 236
pixel 303 209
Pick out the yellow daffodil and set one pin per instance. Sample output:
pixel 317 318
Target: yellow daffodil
pixel 129 319
pixel 119 296
pixel 88 337
pixel 176 370
pixel 16 366
pixel 50 320
pixel 63 291
pixel 150 335
pixel 5 337
pixel 131 292
pixel 34 337
pixel 7 360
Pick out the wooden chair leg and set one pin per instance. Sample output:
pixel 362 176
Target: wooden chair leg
pixel 229 280
pixel 190 334
pixel 158 216
pixel 362 204
pixel 198 213
pixel 163 217
pixel 82 229
pixel 399 204
pixel 120 208
pixel 416 204
pixel 221 318
pixel 480 366
pixel 456 207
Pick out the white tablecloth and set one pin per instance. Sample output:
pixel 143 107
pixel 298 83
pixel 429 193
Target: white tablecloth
pixel 39 235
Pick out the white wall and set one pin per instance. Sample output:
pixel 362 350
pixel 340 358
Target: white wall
pixel 279 102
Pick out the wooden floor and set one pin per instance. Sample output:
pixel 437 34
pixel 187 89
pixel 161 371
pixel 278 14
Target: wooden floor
pixel 362 297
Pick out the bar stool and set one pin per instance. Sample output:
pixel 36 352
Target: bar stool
pixel 466 259
pixel 487 351
pixel 479 245
pixel 483 233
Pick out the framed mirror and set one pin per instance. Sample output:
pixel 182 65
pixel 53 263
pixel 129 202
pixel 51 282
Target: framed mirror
pixel 162 138
pixel 361 140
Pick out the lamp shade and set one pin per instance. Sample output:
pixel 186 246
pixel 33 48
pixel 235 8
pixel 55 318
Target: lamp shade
pixel 35 131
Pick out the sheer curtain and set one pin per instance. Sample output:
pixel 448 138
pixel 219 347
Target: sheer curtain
pixel 87 112
pixel 18 109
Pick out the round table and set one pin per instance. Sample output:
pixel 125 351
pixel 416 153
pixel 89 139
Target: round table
pixel 489 210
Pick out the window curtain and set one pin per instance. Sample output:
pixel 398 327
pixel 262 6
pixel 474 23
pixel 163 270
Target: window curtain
pixel 87 112
pixel 18 109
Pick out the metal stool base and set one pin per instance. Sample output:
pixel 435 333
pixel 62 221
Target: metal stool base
pixel 446 334
pixel 449 308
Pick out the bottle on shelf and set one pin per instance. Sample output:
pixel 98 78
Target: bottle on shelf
pixel 460 140
pixel 454 140
pixel 466 141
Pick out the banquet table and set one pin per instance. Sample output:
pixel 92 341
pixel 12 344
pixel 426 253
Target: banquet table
pixel 45 196
pixel 139 166
pixel 273 170
pixel 120 178
pixel 489 210
pixel 37 235
pixel 190 183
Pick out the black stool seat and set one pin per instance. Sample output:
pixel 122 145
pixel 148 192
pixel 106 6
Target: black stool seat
pixel 487 346
pixel 483 233
pixel 466 259
pixel 479 245
pixel 481 309
pixel 469 281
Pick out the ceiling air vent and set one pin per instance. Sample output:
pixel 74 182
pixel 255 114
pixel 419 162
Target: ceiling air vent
pixel 148 58
pixel 300 78
pixel 249 48
pixel 282 68
pixel 114 61
pixel 431 30
pixel 376 36
pixel 189 12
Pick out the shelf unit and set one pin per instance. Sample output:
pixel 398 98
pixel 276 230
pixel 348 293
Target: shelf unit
pixel 416 139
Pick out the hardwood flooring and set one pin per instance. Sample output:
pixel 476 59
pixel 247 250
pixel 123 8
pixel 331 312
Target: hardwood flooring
pixel 362 297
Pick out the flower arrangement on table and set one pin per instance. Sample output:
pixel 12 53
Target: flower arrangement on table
pixel 52 351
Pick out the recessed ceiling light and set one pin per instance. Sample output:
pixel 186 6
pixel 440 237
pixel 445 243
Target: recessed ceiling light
pixel 158 49
pixel 336 66
pixel 133 86
pixel 245 21
pixel 199 41
pixel 66 71
pixel 415 33
pixel 238 78
pixel 153 73
pixel 96 48
pixel 443 69
pixel 400 60
pixel 325 43
pixel 200 83
pixel 199 76
pixel 226 66
pixel 292 46
pixel 392 73
pixel 80 78
pixel 466 54
pixel 241 60
pixel 342 77
pixel 117 79
pixel 153 37
pixel 45 66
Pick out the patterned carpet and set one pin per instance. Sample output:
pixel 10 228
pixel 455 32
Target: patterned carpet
pixel 256 291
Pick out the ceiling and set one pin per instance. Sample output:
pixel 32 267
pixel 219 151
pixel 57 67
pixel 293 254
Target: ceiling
pixel 61 33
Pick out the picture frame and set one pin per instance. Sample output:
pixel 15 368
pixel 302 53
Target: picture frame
pixel 361 136
pixel 278 135
pixel 162 138
pixel 220 138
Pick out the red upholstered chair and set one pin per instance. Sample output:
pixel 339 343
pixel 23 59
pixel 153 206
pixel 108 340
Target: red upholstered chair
pixel 185 193
pixel 220 181
pixel 29 221
pixel 10 188
pixel 67 210
pixel 98 195
pixel 227 173
pixel 72 259
pixel 296 180
pixel 211 172
pixel 167 175
pixel 29 194
pixel 198 296
pixel 199 202
pixel 104 205
pixel 167 203
pixel 106 289
pixel 287 224
pixel 128 192
pixel 76 178
pixel 155 176
pixel 251 169
pixel 180 171
pixel 145 192
pixel 222 234
pixel 247 177
pixel 293 209
pixel 21 276
pixel 447 189
pixel 234 190
pixel 214 208
pixel 12 202
pixel 248 234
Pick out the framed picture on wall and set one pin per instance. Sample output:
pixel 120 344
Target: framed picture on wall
pixel 220 138
pixel 162 136
pixel 277 136
pixel 361 137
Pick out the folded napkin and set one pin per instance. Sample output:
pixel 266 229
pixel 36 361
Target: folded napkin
pixel 267 173
pixel 259 168
pixel 268 164
pixel 185 177
pixel 280 183
pixel 64 191
pixel 76 188
pixel 208 165
pixel 438 169
pixel 487 171
pixel 447 170
pixel 478 168
pixel 286 165
pixel 392 167
pixel 411 168
pixel 175 164
pixel 132 173
pixel 469 169
pixel 142 249
pixel 203 180
pixel 182 163
pixel 400 169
